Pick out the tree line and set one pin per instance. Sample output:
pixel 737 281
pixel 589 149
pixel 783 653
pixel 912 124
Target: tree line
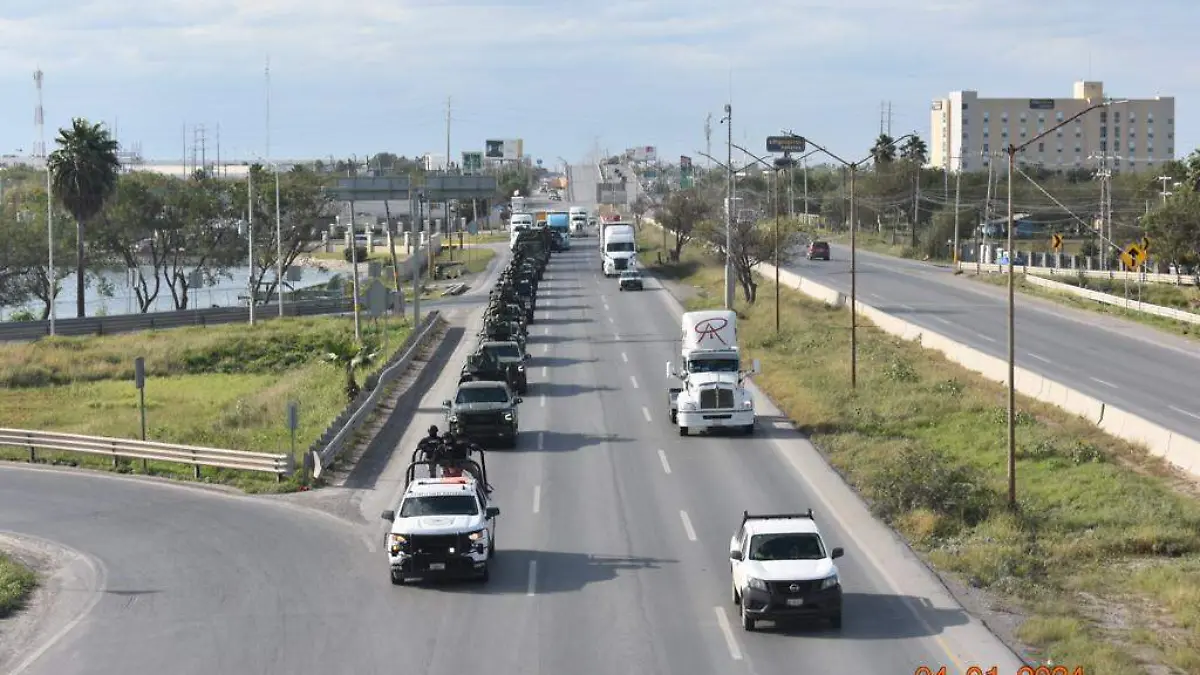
pixel 895 194
pixel 167 233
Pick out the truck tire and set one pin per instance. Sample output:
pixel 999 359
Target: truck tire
pixel 674 417
pixel 683 431
pixel 748 429
pixel 397 579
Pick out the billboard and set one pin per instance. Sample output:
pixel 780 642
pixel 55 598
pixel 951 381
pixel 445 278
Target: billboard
pixel 506 149
pixel 472 161
pixel 644 154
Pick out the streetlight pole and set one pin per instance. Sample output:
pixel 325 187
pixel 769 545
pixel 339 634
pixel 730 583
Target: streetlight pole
pixel 1012 151
pixel 278 242
pixel 728 122
pixel 957 187
pixel 782 163
pixel 853 167
pixel 250 228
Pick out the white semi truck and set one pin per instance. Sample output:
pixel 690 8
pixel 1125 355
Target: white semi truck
pixel 618 246
pixel 714 393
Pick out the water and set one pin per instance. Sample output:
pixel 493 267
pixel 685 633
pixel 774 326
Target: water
pixel 123 300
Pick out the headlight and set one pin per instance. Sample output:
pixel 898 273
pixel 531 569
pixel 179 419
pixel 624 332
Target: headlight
pixel 453 419
pixel 477 535
pixel 748 404
pixel 396 540
pixel 688 405
pixel 508 416
pixel 758 584
pixel 521 368
pixel 829 582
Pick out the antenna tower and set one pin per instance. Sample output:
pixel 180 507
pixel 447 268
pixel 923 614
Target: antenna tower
pixel 708 137
pixel 39 118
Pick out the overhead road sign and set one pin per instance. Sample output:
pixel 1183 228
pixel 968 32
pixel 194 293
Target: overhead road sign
pixel 441 188
pixel 785 144
pixel 371 189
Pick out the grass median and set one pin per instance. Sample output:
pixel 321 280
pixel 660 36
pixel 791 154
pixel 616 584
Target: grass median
pixel 1101 562
pixel 16 583
pixel 221 386
pixel 1183 298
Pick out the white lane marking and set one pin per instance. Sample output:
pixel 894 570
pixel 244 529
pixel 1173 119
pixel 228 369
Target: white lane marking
pixel 603 298
pixel 908 307
pixel 617 337
pixel 646 413
pixel 544 370
pixel 1039 358
pixel 985 337
pixel 662 457
pixel 1107 384
pixel 611 320
pixel 687 526
pixel 532 588
pixel 546 329
pixel 537 498
pixel 634 381
pixel 941 320
pixel 101 575
pixel 875 295
pixel 545 348
pixel 541 440
pixel 542 400
pixel 723 623
pixel 606 307
pixel 624 357
pixel 1184 412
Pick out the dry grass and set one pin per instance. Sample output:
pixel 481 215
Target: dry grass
pixel 1102 530
pixel 226 386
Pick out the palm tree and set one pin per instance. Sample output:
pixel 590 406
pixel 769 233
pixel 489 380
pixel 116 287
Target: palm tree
pixel 884 150
pixel 915 150
pixel 348 355
pixel 84 171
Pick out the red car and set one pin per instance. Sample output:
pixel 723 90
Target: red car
pixel 818 250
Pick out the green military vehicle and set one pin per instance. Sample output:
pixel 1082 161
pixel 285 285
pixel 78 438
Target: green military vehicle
pixel 484 412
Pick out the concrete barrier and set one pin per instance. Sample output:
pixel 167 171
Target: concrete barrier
pixel 1114 275
pixel 1180 450
pixel 1110 299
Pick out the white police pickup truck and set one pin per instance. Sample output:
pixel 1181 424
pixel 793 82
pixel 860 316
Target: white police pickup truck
pixel 444 527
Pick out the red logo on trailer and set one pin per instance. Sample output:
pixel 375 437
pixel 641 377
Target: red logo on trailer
pixel 711 328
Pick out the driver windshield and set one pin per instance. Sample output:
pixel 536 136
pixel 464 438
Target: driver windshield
pixel 504 351
pixel 786 547
pixel 713 366
pixel 482 395
pixel 620 247
pixel 443 505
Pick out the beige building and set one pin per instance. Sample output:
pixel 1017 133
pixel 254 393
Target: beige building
pixel 967 132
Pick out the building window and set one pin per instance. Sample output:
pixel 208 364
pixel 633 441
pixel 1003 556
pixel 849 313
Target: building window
pixel 1059 134
pixel 985 148
pixel 1103 117
pixel 1170 135
pixel 1149 118
pixel 1041 117
pixel 1132 133
pixel 1078 149
pixel 1103 146
pixel 1041 147
pixel 1004 117
pixel 1004 133
pixel 1117 132
pixel 985 115
pixel 1149 150
pixel 1132 146
pixel 1103 132
pixel 1116 117
pixel 1149 133
pixel 965 121
pixel 1171 151
pixel 1058 116
pixel 1022 131
pixel 1132 117
pixel 964 105
pixel 1022 117
pixel 985 132
pixel 1170 121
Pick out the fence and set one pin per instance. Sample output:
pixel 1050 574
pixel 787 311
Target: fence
pixel 333 442
pixel 1147 277
pixel 122 448
pixel 125 323
pixel 1109 299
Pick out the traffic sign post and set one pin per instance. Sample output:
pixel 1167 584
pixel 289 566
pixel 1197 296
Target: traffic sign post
pixel 1056 242
pixel 1133 257
pixel 786 144
pixel 293 422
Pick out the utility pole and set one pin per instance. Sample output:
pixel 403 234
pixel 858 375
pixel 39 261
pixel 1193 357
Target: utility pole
pixel 1105 176
pixel 957 188
pixel 729 207
pixel 448 104
pixel 39 119
pixel 987 219
pixel 250 227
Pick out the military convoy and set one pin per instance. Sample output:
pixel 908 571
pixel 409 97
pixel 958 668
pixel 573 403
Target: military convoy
pixel 484 408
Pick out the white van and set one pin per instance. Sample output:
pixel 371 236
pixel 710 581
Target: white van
pixel 520 221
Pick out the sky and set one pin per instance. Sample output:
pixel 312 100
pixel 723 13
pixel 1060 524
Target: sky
pixel 355 77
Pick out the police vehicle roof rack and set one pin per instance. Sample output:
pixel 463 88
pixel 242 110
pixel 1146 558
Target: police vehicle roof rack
pixel 746 515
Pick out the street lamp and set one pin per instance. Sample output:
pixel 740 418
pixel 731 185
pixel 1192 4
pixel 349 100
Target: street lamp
pixel 727 120
pixel 779 164
pixel 853 166
pixel 1012 151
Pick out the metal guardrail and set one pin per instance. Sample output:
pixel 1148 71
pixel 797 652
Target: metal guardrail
pixel 1117 301
pixel 1148 277
pixel 333 442
pixel 125 323
pixel 123 448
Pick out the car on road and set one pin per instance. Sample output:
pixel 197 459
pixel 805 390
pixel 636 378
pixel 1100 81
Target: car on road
pixel 631 280
pixel 818 250
pixel 444 527
pixel 484 411
pixel 781 568
pixel 511 355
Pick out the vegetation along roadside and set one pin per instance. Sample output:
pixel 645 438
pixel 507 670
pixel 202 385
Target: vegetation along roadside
pixel 224 386
pixel 1100 565
pixel 16 583
pixel 1183 298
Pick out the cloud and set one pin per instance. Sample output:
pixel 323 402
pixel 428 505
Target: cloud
pixel 520 64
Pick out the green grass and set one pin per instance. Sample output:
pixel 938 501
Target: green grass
pixel 1167 295
pixel 226 386
pixel 1103 556
pixel 476 259
pixel 16 583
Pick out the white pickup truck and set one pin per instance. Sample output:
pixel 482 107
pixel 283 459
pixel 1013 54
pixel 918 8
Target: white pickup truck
pixel 713 394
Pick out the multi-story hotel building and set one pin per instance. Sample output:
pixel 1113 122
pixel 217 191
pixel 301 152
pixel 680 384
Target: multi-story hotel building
pixel 968 132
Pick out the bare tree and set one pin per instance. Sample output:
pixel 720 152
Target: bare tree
pixel 682 215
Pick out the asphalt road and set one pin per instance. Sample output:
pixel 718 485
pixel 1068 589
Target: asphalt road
pixel 1138 369
pixel 612 542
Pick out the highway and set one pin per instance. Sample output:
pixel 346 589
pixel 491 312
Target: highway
pixel 612 541
pixel 1136 368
